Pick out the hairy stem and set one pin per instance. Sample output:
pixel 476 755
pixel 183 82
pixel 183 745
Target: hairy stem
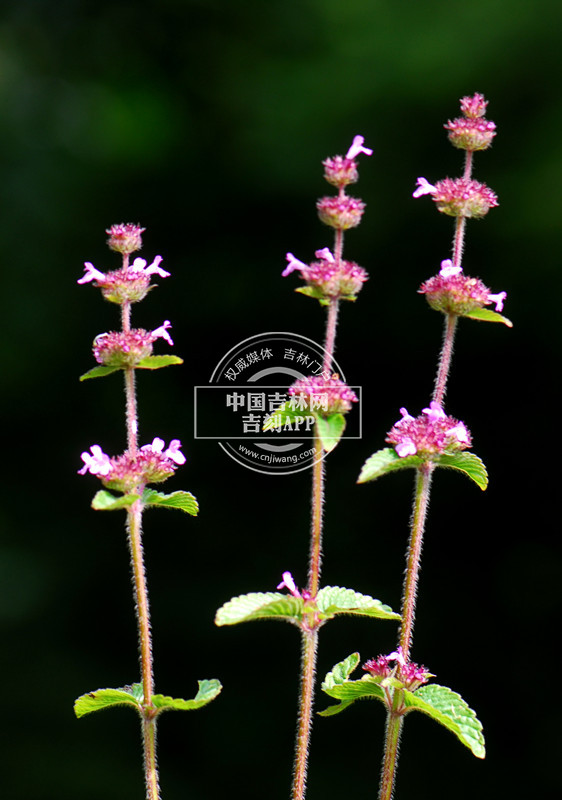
pixel 445 358
pixel 330 340
pixel 421 501
pixel 140 592
pixel 390 761
pixel 308 671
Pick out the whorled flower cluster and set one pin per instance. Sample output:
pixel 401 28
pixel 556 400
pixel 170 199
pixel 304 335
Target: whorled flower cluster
pixel 327 277
pixel 459 197
pixel 125 473
pixel 432 433
pixel 472 131
pixel 126 285
pixel 128 348
pixel 411 675
pixel 453 292
pixel 325 395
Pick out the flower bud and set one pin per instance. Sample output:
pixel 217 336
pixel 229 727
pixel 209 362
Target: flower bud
pixel 341 212
pixel 125 238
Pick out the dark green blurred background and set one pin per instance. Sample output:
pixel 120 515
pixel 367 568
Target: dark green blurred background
pixel 206 121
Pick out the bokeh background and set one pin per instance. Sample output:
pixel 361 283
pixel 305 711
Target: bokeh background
pixel 206 121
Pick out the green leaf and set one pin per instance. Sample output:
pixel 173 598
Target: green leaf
pixel 450 710
pixel 208 690
pixel 105 501
pixel 333 600
pixel 330 430
pixel 337 685
pixel 312 291
pixel 133 696
pixel 487 315
pixel 260 605
pixel 185 501
pixel 469 463
pixel 388 460
pixel 105 698
pixel 98 372
pixel 157 362
pixel 384 461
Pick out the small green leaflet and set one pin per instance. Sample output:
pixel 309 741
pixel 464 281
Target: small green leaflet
pixel 330 430
pixel 487 315
pixel 133 696
pixel 185 501
pixel 387 460
pixel 150 362
pixel 105 501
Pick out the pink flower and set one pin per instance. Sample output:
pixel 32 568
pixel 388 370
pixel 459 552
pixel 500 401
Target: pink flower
pixel 293 264
pixel 139 265
pixel 497 299
pixel 448 269
pixel 357 147
pixel 91 274
pixel 326 254
pixel 424 187
pixel 289 583
pixel 173 452
pixel 98 463
pixel 162 332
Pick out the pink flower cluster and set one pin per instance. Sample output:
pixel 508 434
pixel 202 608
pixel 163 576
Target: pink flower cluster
pixel 125 238
pixel 327 395
pixel 459 197
pixel 471 132
pixel 125 473
pixel 126 285
pixel 327 277
pixel 432 433
pixel 127 348
pixel 411 675
pixel 453 292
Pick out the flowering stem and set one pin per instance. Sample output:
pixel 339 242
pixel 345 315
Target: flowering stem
pixel 421 501
pixel 445 358
pixel 393 730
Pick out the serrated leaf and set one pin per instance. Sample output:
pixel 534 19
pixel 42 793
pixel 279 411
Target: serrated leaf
pixel 260 605
pixel 157 362
pixel 450 710
pixel 469 463
pixel 333 600
pixel 208 690
pixel 487 315
pixel 185 501
pixel 337 685
pixel 98 372
pixel 330 430
pixel 105 501
pixel 384 461
pixel 105 698
pixel 340 672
